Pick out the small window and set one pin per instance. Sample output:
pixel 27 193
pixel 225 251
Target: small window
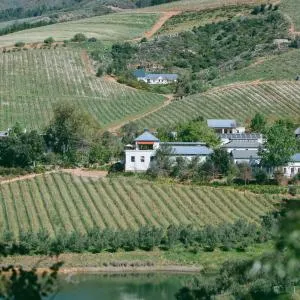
pixel 299 170
pixel 292 170
pixel 142 158
pixel 132 158
pixel 284 170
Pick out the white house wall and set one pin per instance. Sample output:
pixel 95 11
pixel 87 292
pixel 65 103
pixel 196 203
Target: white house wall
pixel 138 164
pixel 291 169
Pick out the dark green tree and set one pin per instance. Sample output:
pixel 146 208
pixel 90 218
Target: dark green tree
pixel 258 123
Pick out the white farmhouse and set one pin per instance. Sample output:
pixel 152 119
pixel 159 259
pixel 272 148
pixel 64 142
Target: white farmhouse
pixel 139 156
pixel 159 78
pixel 293 167
pixel 225 126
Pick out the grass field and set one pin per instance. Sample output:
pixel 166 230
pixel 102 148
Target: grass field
pixel 112 27
pixel 32 81
pixel 238 101
pixel 292 9
pixel 189 5
pixel 63 201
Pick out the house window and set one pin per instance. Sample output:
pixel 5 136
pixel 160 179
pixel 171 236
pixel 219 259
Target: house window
pixel 284 170
pixel 142 159
pixel 292 170
pixel 298 170
pixel 132 158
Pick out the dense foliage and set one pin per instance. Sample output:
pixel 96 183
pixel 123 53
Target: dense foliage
pixel 273 276
pixel 238 235
pixel 203 53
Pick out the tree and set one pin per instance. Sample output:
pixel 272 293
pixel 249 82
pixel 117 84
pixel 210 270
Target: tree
pixel 280 145
pixel 258 123
pixel 196 131
pixel 245 172
pixel 70 129
pixel 49 40
pixel 79 37
pixel 220 160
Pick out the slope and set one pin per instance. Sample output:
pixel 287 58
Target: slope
pixel 238 101
pixel 32 81
pixel 62 201
pixel 112 27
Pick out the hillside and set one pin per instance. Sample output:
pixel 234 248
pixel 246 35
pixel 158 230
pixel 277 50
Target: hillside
pixel 32 81
pixel 237 101
pixel 63 201
pixel 112 27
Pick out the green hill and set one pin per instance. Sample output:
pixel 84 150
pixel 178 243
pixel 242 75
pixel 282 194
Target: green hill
pixel 32 81
pixel 62 201
pixel 277 99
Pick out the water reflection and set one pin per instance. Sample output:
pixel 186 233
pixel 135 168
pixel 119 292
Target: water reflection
pixel 122 287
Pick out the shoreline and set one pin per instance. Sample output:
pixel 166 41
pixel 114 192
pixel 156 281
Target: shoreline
pixel 175 269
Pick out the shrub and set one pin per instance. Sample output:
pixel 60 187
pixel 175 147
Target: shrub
pixel 79 37
pixel 49 40
pixel 293 190
pixel 99 72
pixel 261 176
pixel 19 44
pixel 92 40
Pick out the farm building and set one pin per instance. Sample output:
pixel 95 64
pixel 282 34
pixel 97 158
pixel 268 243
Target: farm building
pixel 141 75
pixel 139 156
pixel 297 133
pixel 225 126
pixel 293 167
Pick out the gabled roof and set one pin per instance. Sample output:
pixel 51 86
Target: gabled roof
pixel 243 144
pixel 191 150
pixel 241 136
pixel 245 154
pixel 296 157
pixel 146 137
pixel 139 73
pixel 215 123
pixel 162 76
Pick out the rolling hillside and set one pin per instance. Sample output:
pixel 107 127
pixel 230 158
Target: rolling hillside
pixel 112 27
pixel 32 81
pixel 238 101
pixel 63 201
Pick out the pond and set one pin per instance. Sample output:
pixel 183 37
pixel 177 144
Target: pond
pixel 122 286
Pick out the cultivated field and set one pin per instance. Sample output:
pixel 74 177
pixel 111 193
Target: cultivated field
pixel 112 27
pixel 63 201
pixel 238 101
pixel 32 81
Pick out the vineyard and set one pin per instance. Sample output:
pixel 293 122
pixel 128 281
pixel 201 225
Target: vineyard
pixel 240 101
pixel 32 81
pixel 62 201
pixel 112 27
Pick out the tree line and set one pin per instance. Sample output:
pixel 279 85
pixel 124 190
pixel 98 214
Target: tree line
pixel 228 236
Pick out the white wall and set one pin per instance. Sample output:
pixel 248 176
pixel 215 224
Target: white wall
pixel 295 167
pixel 138 165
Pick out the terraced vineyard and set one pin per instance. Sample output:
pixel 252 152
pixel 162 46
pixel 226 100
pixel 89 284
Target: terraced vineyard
pixel 237 101
pixel 32 81
pixel 64 201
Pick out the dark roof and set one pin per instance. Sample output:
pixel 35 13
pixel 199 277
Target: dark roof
pixel 214 123
pixel 146 137
pixel 184 143
pixel 139 73
pixel 191 150
pixel 296 157
pixel 245 154
pixel 242 144
pixel 241 136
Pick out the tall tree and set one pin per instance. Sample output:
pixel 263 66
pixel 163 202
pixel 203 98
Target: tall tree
pixel 280 145
pixel 258 123
pixel 70 129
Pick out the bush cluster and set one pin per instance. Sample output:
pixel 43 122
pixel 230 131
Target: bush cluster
pixel 238 235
